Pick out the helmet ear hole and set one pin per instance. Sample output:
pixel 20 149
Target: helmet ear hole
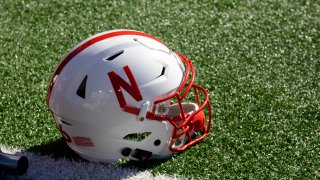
pixel 157 142
pixel 126 151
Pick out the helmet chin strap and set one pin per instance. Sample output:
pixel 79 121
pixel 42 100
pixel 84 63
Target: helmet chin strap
pixel 194 124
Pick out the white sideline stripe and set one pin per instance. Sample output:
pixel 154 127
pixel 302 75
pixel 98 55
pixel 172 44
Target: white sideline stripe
pixel 45 167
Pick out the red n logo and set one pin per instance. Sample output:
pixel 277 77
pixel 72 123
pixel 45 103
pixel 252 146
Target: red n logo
pixel 132 88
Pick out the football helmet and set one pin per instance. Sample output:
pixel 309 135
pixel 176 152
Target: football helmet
pixel 123 94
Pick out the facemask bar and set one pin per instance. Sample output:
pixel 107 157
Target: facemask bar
pixel 182 123
pixel 186 81
pixel 187 130
pixel 184 127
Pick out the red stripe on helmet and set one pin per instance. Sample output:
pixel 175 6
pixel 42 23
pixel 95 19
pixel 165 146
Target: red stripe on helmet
pixel 85 45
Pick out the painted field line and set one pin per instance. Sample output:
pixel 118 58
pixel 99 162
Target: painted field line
pixel 45 167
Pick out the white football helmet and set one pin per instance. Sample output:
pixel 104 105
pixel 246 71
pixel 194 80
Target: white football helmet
pixel 121 94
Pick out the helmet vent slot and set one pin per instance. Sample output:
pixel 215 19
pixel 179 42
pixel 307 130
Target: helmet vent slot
pixel 162 72
pixel 112 57
pixel 137 136
pixel 81 91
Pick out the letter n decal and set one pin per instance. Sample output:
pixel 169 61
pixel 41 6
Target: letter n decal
pixel 132 88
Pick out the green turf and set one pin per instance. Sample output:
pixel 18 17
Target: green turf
pixel 260 60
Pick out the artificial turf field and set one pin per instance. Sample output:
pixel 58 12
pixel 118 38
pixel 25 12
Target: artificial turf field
pixel 260 61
